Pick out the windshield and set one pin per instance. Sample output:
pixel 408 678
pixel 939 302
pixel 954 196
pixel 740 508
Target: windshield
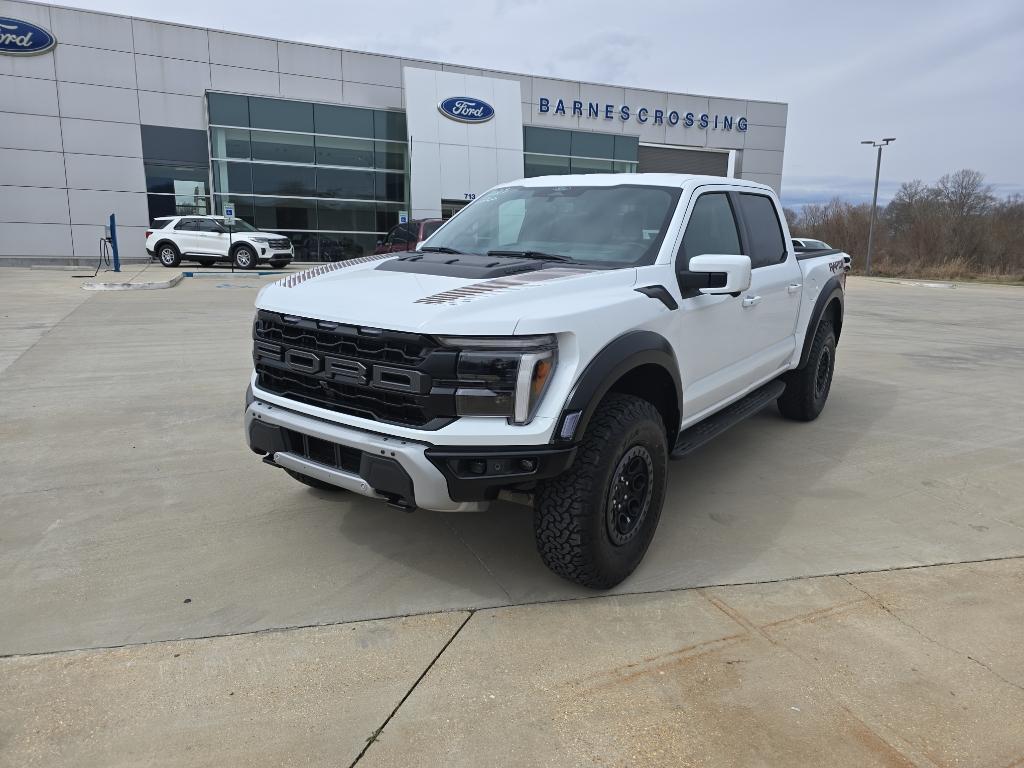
pixel 604 226
pixel 238 226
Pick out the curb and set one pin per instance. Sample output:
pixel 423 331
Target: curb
pixel 153 285
pixel 234 275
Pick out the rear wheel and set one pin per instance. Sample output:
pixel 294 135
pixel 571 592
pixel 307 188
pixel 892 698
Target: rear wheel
pixel 168 254
pixel 312 482
pixel 807 388
pixel 593 523
pixel 244 257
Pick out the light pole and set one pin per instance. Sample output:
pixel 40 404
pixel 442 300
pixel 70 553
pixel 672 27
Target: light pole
pixel 874 199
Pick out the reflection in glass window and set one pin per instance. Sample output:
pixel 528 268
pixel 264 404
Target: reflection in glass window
pixel 545 165
pixel 589 165
pixel 228 109
pixel 232 178
pixel 230 142
pixel 390 186
pixel 176 178
pixel 627 148
pixel 352 185
pixel 283 180
pixel 284 213
pixel 335 150
pixel 281 115
pixel 344 121
pixel 389 125
pixel 177 205
pixel 586 144
pixel 346 216
pixel 548 141
pixel 282 147
pixel 390 155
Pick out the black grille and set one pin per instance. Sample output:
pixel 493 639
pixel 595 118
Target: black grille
pixel 279 244
pixel 430 408
pixel 323 452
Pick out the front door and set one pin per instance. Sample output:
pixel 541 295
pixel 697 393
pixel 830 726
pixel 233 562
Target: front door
pixel 211 238
pixel 710 332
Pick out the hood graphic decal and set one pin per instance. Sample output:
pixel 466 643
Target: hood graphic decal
pixel 511 282
pixel 300 277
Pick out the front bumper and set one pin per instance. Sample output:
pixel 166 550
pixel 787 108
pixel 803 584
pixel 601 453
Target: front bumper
pixel 403 472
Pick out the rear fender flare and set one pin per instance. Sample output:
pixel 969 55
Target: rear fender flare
pixel 831 291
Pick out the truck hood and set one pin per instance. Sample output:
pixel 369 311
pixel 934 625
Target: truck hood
pixel 359 292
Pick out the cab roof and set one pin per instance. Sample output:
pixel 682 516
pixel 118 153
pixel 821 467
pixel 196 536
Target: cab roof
pixel 644 179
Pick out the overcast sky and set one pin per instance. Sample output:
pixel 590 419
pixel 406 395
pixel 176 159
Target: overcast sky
pixel 945 78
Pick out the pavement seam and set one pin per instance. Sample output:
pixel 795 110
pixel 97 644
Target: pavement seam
pixel 47 332
pixel 374 736
pixel 460 609
pixel 472 551
pixel 881 604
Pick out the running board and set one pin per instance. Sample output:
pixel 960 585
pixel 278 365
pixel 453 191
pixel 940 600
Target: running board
pixel 694 437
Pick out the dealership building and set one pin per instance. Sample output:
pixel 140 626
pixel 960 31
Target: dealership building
pixel 331 147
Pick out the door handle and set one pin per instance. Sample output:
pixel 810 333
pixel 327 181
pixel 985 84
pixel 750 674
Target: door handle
pixel 750 301
pixel 793 288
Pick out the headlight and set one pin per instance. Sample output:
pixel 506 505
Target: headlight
pixel 504 375
pixel 260 239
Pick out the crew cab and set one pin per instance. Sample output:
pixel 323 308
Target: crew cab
pixel 557 343
pixel 208 239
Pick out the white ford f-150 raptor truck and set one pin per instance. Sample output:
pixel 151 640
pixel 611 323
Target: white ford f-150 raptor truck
pixel 561 338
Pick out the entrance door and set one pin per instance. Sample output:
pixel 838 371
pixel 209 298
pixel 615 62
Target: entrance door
pixel 450 207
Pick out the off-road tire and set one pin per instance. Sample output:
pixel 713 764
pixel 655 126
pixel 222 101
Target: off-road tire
pixel 807 388
pixel 312 482
pixel 244 257
pixel 169 255
pixel 576 535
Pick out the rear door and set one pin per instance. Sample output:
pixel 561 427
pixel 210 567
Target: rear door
pixel 771 306
pixel 186 236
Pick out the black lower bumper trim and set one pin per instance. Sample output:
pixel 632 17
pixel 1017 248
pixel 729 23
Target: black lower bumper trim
pixel 385 475
pixel 478 474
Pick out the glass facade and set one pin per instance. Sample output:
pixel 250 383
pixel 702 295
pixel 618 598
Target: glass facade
pixel 177 168
pixel 553 151
pixel 331 178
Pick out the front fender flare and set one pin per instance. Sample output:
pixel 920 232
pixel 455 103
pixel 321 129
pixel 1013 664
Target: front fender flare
pixel 615 360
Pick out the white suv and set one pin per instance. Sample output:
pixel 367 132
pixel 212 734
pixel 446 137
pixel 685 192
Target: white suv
pixel 207 239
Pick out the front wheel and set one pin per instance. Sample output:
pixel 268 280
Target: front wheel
pixel 807 388
pixel 594 522
pixel 245 258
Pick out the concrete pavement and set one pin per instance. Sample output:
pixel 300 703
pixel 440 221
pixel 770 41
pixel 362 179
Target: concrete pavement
pixel 918 667
pixel 135 518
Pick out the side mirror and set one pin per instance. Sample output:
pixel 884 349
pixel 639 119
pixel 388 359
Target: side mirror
pixel 716 274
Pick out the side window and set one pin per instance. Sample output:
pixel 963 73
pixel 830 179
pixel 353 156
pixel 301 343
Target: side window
pixel 767 245
pixel 208 225
pixel 711 229
pixel 186 225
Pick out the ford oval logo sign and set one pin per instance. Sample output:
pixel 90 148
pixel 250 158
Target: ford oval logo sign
pixel 466 110
pixel 19 38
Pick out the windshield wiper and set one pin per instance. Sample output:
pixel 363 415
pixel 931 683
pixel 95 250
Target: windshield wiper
pixel 539 255
pixel 439 249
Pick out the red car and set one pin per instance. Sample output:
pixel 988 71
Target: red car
pixel 404 237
